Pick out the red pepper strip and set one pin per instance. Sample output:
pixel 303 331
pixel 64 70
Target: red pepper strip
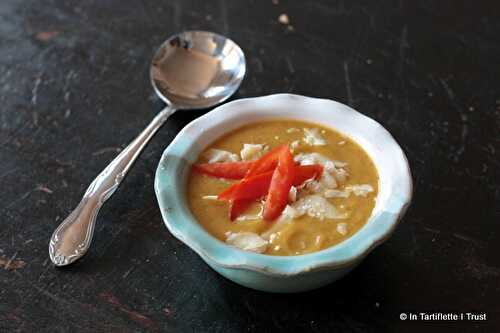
pixel 305 172
pixel 237 207
pixel 229 170
pixel 249 188
pixel 281 183
pixel 267 162
pixel 258 186
pixel 238 170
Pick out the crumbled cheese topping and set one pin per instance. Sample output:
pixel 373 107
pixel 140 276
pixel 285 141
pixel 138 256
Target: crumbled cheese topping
pixel 292 130
pixel 247 241
pixel 251 151
pixel 311 186
pixel 210 197
pixel 294 145
pixel 272 237
pixel 317 207
pixel 318 240
pixel 336 194
pixel 313 137
pixel 342 228
pixel 292 195
pixel 360 190
pixel 317 158
pixel 291 213
pixel 334 172
pixel 329 166
pixel 340 174
pixel 218 155
pixel 341 143
pixel 339 164
pixel 327 180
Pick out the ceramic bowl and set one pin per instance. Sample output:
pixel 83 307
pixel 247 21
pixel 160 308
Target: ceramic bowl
pixel 283 273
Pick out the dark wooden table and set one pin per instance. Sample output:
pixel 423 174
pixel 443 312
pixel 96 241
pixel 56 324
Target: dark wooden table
pixel 74 89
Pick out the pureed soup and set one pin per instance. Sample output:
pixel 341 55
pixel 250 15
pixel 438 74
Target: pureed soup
pixel 283 188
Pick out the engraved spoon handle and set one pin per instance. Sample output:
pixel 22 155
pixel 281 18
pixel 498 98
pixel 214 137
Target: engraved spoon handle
pixel 72 238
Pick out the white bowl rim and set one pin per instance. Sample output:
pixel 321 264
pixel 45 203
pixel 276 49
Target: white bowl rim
pixel 185 148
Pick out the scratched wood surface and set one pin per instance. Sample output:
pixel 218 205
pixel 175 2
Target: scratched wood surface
pixel 74 89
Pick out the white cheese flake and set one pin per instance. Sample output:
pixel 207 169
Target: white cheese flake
pixel 292 130
pixel 247 241
pixel 210 197
pixel 251 151
pixel 340 174
pixel 317 207
pixel 219 156
pixel 308 159
pixel 333 174
pixel 327 180
pixel 342 228
pixel 329 166
pixel 317 158
pixel 313 137
pixel 294 145
pixel 339 164
pixel 292 195
pixel 291 213
pixel 251 217
pixel 360 190
pixel 341 143
pixel 336 194
pixel 312 186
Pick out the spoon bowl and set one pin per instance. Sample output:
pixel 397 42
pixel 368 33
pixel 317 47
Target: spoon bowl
pixel 197 69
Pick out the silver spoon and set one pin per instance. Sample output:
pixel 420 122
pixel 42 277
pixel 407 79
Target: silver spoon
pixel 191 70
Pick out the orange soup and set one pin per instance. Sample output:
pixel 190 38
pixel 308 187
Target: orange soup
pixel 283 188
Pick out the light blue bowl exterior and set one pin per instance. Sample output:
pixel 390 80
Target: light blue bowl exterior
pixel 282 274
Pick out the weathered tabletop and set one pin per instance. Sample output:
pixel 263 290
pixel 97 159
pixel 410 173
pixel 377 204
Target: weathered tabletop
pixel 74 89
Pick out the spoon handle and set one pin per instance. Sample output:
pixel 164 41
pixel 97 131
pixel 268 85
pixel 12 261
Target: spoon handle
pixel 72 238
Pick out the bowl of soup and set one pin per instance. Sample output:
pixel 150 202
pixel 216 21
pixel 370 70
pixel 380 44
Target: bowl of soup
pixel 283 193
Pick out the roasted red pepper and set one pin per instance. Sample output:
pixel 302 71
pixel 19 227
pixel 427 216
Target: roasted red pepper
pixel 305 172
pixel 281 183
pixel 267 162
pixel 249 188
pixel 238 207
pixel 257 186
pixel 238 170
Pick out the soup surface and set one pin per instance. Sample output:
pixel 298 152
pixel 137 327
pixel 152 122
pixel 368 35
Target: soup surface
pixel 320 212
